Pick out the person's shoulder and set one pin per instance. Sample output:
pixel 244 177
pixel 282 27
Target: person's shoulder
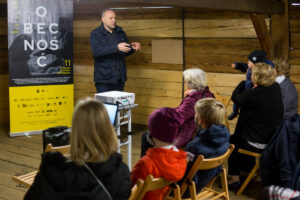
pixel 119 29
pixel 96 31
pixel 53 160
pixel 275 86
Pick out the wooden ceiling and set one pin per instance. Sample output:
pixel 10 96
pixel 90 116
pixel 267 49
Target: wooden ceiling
pixel 249 6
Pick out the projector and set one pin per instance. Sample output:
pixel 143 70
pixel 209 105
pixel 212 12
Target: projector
pixel 124 98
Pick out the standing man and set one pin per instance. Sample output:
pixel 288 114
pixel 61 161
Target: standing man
pixel 109 46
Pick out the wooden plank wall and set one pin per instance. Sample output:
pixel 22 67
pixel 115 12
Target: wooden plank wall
pixel 294 54
pixel 4 116
pixel 213 40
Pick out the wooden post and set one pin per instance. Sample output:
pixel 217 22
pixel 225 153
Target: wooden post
pixel 262 32
pixel 280 33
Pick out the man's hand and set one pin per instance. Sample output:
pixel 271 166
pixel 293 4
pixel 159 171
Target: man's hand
pixel 136 46
pixel 233 66
pixel 124 47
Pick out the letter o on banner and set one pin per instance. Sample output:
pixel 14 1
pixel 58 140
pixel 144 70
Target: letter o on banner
pixel 41 11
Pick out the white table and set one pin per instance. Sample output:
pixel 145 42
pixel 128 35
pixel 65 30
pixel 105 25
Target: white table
pixel 125 117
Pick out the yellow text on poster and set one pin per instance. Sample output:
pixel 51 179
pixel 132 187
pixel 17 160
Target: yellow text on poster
pixel 35 108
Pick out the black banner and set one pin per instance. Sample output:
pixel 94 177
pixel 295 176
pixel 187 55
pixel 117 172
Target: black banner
pixel 40 42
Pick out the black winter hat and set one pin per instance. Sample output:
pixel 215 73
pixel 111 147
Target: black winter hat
pixel 258 56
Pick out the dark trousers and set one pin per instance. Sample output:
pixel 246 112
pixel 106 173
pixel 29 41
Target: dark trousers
pixel 145 144
pixel 101 87
pixel 238 162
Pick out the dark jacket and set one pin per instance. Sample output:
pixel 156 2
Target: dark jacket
pixel 296 178
pixel 187 112
pixel 108 60
pixel 210 143
pixel 261 112
pixel 244 68
pixel 279 160
pixel 289 98
pixel 59 179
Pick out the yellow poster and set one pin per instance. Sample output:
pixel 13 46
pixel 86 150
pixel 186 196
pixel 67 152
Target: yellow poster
pixel 35 108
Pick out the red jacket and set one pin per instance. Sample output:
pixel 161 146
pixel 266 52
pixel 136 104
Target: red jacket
pixel 159 162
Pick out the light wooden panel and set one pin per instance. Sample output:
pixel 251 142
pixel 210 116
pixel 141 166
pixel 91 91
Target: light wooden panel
pixel 217 54
pixel 153 89
pixel 145 28
pixel 164 89
pixel 198 13
pixel 223 28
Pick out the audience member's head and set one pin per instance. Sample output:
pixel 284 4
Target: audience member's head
pixel 256 56
pixel 282 67
pixel 164 124
pixel 195 79
pixel 263 75
pixel 93 138
pixel 209 111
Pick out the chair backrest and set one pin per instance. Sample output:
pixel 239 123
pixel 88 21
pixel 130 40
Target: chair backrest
pixel 62 149
pixel 225 100
pixel 149 184
pixel 202 163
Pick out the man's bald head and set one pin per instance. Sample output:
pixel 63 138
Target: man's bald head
pixel 108 18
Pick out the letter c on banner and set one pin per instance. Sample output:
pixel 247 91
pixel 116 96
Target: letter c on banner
pixel 39 61
pixel 43 12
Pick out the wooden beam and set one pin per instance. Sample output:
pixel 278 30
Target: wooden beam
pixel 262 32
pixel 280 33
pixel 252 6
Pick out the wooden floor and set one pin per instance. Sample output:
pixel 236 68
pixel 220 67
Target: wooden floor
pixel 20 155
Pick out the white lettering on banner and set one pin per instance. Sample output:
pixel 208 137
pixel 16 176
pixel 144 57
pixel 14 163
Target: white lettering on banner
pixel 27 44
pixel 41 28
pixel 27 28
pixel 42 46
pixel 54 44
pixel 39 61
pixel 41 11
pixel 51 30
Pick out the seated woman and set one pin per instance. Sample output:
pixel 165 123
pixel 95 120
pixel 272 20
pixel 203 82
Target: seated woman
pixel 261 113
pixel 195 89
pixel 288 89
pixel 93 146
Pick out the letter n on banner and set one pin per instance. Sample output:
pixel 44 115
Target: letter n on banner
pixel 40 48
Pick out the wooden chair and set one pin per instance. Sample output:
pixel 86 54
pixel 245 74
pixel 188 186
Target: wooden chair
pixel 202 163
pixel 253 171
pixel 27 179
pixel 225 100
pixel 151 184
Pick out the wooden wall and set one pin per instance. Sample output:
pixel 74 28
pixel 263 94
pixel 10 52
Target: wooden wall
pixel 213 40
pixel 4 116
pixel 294 55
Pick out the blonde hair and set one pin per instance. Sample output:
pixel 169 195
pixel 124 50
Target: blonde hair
pixel 195 78
pixel 93 138
pixel 210 111
pixel 263 74
pixel 282 66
